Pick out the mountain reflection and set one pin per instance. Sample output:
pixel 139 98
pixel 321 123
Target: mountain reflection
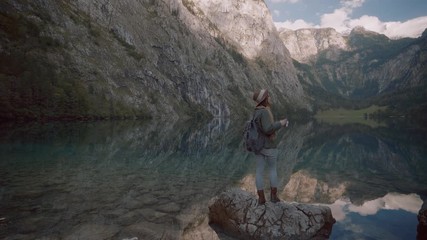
pixel 303 188
pixel 392 201
pixel 369 162
pixel 129 176
pixel 373 179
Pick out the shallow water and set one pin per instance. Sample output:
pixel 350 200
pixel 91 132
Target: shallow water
pixel 153 180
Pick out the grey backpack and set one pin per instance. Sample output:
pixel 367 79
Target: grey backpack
pixel 253 138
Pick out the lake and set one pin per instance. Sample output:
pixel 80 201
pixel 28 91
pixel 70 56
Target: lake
pixel 154 179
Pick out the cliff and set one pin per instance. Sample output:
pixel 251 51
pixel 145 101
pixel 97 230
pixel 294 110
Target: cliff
pixel 191 58
pixel 305 45
pixel 140 59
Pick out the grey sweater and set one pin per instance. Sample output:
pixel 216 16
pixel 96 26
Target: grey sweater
pixel 268 125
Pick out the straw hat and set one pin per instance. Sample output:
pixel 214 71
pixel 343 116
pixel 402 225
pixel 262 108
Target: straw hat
pixel 260 95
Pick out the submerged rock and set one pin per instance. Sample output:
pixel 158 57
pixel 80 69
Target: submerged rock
pixel 237 213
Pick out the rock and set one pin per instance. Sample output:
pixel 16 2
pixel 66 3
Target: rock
pixel 422 222
pixel 237 213
pixel 306 44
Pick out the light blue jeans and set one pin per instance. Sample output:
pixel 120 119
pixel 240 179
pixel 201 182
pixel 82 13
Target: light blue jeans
pixel 268 156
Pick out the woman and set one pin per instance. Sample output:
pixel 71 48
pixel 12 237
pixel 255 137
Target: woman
pixel 269 153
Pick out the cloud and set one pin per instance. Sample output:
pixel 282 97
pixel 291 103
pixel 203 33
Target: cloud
pixel 411 28
pixel 340 19
pixel 337 209
pixel 336 20
pixel 368 22
pixel 350 4
pixel 369 207
pixel 392 201
pixel 411 203
pixel 342 23
pixel 298 24
pixel 343 210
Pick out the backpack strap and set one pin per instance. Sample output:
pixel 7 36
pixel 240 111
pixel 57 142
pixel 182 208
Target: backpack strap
pixel 256 118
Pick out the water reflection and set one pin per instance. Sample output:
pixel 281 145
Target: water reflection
pixel 371 162
pixel 113 179
pixel 392 201
pixel 390 217
pixel 154 179
pixel 306 189
pixel 373 179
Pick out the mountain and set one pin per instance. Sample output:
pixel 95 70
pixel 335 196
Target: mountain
pixel 363 67
pixel 176 59
pixel 362 64
pixel 140 59
pixel 305 45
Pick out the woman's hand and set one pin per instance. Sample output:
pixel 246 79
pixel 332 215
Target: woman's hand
pixel 284 122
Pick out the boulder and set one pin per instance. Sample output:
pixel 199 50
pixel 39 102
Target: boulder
pixel 237 213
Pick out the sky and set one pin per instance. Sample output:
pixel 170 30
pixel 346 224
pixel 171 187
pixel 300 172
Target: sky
pixel 394 18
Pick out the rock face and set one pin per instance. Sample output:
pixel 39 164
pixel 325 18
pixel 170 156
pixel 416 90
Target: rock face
pixel 237 213
pixel 161 59
pixel 305 44
pixel 247 28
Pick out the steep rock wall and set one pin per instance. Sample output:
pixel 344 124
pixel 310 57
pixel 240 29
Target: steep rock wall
pixel 305 45
pixel 145 59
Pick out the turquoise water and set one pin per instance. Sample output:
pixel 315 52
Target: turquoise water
pixel 153 180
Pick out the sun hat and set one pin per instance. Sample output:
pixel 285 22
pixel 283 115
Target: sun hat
pixel 260 95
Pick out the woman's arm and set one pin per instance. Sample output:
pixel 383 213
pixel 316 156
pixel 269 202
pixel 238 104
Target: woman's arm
pixel 268 126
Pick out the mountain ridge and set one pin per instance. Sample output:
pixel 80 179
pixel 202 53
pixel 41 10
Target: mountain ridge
pixel 186 59
pixel 367 65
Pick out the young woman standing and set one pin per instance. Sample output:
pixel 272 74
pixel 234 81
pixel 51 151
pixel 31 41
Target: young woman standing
pixel 268 154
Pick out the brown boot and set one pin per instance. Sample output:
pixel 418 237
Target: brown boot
pixel 261 197
pixel 273 195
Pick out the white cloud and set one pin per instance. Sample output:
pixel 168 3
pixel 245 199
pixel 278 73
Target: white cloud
pixel 342 23
pixel 340 19
pixel 411 203
pixel 411 28
pixel 368 22
pixel 391 201
pixel 337 209
pixel 336 20
pixel 298 24
pixel 350 4
pixel 369 207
